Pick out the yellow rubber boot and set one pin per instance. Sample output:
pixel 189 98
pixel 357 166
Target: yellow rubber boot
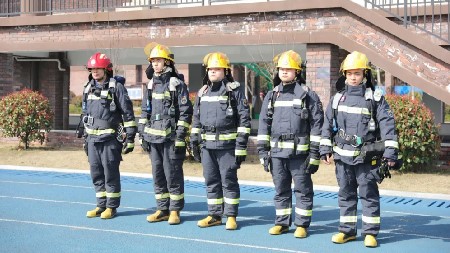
pixel 342 238
pixel 301 232
pixel 159 215
pixel 278 230
pixel 231 223
pixel 209 221
pixel 95 212
pixel 108 213
pixel 370 241
pixel 174 218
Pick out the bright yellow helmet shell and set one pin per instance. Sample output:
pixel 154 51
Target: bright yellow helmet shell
pixel 288 60
pixel 216 60
pixel 154 50
pixel 355 60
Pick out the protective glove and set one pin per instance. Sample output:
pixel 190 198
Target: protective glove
pixel 179 149
pixel 266 162
pixel 145 145
pixel 85 147
pixel 196 151
pixel 312 166
pixel 240 159
pixel 128 145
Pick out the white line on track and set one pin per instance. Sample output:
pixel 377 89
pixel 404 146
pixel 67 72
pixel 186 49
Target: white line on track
pixel 191 195
pixel 254 218
pixel 124 207
pixel 239 245
pixel 243 182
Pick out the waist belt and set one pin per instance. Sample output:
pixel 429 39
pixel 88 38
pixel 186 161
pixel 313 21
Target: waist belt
pixel 213 129
pixel 96 123
pixel 284 137
pixel 353 140
pixel 158 117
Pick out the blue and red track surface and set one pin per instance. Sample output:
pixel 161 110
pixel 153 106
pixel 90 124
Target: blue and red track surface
pixel 43 210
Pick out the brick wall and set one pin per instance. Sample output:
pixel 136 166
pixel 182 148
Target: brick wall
pixel 445 153
pixel 322 69
pixel 6 74
pixel 378 42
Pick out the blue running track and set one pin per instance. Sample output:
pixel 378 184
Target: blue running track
pixel 44 211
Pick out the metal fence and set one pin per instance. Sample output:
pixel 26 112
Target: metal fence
pixel 429 16
pixel 10 8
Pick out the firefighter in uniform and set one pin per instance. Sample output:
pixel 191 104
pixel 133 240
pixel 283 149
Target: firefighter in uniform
pixel 288 143
pixel 165 120
pixel 219 136
pixel 357 117
pixel 105 106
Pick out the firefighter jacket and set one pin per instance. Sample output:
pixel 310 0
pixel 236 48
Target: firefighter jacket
pixel 221 117
pixel 290 122
pixel 166 110
pixel 356 117
pixel 106 108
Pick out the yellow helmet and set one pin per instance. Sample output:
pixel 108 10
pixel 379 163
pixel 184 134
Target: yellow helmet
pixel 216 60
pixel 355 60
pixel 154 50
pixel 289 60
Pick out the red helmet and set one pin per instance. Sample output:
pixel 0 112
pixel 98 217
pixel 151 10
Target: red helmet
pixel 99 61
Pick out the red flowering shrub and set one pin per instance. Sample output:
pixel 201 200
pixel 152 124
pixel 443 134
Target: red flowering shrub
pixel 418 135
pixel 25 114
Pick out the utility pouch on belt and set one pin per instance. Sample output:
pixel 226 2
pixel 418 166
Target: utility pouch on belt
pixel 372 151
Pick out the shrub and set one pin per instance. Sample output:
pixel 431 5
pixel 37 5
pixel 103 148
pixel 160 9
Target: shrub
pixel 25 114
pixel 75 104
pixel 418 136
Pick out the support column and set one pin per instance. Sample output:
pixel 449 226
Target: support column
pixel 388 82
pixel 322 69
pixel 6 74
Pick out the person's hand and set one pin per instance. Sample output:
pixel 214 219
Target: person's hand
pixel 312 164
pixel 239 159
pixel 266 162
pixel 326 158
pixel 85 147
pixel 145 145
pixel 128 145
pixel 179 149
pixel 195 147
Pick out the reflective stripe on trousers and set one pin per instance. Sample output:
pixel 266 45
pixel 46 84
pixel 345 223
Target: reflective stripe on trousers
pixel 104 160
pixel 222 187
pixel 286 170
pixel 168 179
pixel 350 177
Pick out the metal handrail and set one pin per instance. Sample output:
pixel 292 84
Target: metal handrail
pixel 429 16
pixel 9 8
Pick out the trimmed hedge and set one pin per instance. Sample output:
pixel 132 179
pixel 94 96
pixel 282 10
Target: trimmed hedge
pixel 419 139
pixel 26 115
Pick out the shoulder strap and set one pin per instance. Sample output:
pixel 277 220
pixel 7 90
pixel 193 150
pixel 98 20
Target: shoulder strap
pixel 336 99
pixel 112 90
pixel 87 89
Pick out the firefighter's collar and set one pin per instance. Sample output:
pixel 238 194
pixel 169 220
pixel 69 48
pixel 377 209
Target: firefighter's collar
pixel 359 90
pixel 216 85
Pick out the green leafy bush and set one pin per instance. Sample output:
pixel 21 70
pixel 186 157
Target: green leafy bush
pixel 419 140
pixel 75 104
pixel 25 114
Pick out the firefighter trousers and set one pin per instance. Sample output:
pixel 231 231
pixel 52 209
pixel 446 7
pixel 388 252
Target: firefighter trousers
pixel 222 187
pixel 286 170
pixel 349 178
pixel 104 160
pixel 168 178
